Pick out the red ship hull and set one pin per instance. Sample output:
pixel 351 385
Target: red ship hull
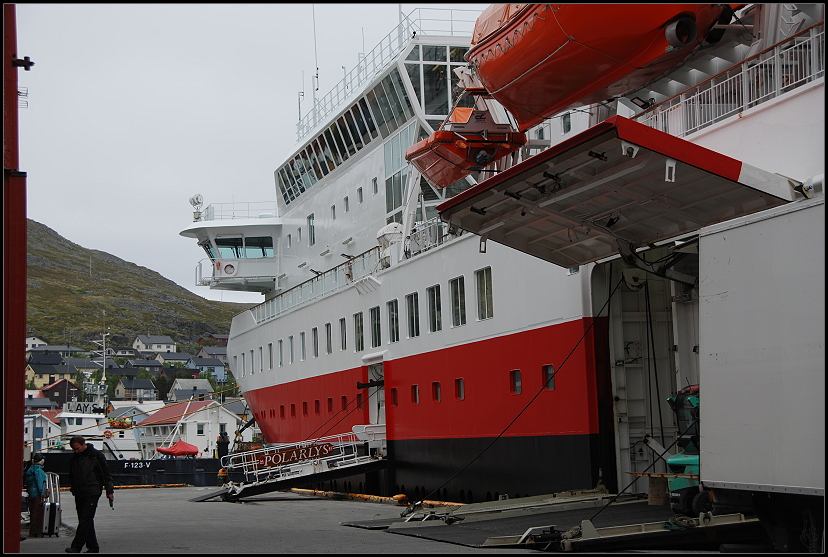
pixel 539 60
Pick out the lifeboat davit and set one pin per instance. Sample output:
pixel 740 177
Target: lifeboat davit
pixel 469 141
pixel 538 60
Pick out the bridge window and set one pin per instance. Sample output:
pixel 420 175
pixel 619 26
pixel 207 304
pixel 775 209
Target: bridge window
pixel 258 247
pixel 230 248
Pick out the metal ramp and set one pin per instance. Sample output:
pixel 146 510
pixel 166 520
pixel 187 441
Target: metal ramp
pixel 288 465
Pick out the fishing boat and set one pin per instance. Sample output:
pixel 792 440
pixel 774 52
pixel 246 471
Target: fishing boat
pixel 488 345
pixel 539 60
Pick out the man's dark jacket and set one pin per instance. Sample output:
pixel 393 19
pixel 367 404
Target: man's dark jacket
pixel 88 472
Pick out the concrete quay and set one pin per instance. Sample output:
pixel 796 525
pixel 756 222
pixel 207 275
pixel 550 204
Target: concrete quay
pixel 163 520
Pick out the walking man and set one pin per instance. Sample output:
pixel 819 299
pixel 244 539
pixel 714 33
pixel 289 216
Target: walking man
pixel 88 472
pixel 36 487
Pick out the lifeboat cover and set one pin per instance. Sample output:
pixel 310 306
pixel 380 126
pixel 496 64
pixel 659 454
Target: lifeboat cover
pixel 179 448
pixel 619 180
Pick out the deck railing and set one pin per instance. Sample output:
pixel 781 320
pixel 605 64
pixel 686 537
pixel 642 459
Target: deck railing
pixel 240 210
pixel 767 75
pixel 347 273
pixel 423 21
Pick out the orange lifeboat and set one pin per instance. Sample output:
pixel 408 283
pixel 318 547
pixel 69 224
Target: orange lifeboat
pixel 538 60
pixel 470 141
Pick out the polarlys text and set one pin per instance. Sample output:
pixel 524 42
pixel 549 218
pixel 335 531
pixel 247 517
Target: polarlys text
pixel 275 458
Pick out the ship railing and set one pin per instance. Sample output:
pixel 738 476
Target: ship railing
pixel 427 235
pixel 423 21
pixel 279 461
pixel 345 274
pixel 240 210
pixel 769 74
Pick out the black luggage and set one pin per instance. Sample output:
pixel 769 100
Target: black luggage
pixel 52 513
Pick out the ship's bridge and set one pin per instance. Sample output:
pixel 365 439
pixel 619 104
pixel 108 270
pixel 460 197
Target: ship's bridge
pixel 241 243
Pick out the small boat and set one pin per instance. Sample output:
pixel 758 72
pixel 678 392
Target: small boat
pixel 538 60
pixel 468 141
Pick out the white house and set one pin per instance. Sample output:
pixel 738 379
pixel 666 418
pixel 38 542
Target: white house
pixel 36 428
pixel 196 422
pixel 154 343
pixel 34 342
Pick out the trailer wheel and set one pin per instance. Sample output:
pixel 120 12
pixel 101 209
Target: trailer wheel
pixel 702 503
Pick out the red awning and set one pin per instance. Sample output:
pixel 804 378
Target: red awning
pixel 619 180
pixel 179 448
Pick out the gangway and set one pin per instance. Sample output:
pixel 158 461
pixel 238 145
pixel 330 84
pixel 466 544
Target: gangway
pixel 286 465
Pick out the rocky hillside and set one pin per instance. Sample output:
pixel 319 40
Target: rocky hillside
pixel 66 303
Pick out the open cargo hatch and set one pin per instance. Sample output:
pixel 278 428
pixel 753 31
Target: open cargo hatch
pixel 617 181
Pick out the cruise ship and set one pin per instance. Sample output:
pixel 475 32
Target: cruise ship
pixel 519 331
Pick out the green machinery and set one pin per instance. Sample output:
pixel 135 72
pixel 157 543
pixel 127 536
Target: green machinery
pixel 686 497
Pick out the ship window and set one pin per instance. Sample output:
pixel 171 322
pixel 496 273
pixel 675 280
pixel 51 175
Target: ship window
pixel 314 162
pixel 566 122
pixel 289 240
pixel 359 196
pixel 414 54
pixel 261 360
pixel 483 278
pixel 435 391
pixel 299 234
pixel 342 342
pixel 328 339
pixel 304 408
pixel 412 304
pixel 361 126
pixel 358 337
pixel 433 53
pixel 390 124
pixel 292 410
pixel 270 355
pixel 290 347
pixel 376 330
pixel 252 364
pixel 549 377
pixel 340 143
pixel 315 342
pixel 229 248
pixel 393 321
pixel 514 382
pixel 396 80
pixel 435 89
pixel 333 212
pixel 330 148
pixel 316 407
pixel 394 100
pixel 369 119
pixel 413 71
pixel 394 399
pixel 352 127
pixel 347 204
pixel 415 394
pixel 281 353
pixel 374 185
pixel 330 405
pixel 320 157
pixel 242 366
pixel 282 411
pixel 458 302
pixel 381 117
pixel 344 403
pixel 302 345
pixel 457 53
pixel 311 231
pixel 460 388
pixel 208 247
pixel 359 401
pixel 434 310
pixel 346 135
pixel 259 246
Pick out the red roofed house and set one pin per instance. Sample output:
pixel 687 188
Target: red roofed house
pixel 197 422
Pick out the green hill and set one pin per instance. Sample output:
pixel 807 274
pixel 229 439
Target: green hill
pixel 66 302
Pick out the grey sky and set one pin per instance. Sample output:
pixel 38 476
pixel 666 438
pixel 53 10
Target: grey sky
pixel 134 108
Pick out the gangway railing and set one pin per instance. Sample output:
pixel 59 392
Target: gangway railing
pixel 282 461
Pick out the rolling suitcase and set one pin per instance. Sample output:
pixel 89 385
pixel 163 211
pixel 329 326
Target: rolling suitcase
pixel 52 513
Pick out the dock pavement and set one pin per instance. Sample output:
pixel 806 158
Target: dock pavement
pixel 164 520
